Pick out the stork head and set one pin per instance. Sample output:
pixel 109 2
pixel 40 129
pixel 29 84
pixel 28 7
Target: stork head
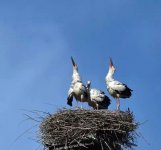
pixel 88 84
pixel 75 67
pixel 111 66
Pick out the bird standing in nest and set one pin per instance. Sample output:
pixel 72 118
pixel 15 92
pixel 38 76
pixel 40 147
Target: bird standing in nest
pixel 97 98
pixel 77 88
pixel 115 88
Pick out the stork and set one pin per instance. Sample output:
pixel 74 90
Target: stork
pixel 115 88
pixel 77 88
pixel 97 98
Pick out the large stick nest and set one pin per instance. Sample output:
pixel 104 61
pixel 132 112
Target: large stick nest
pixel 88 129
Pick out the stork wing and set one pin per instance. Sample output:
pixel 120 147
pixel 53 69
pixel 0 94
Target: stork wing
pixel 70 96
pixel 96 91
pixel 96 95
pixel 70 90
pixel 118 86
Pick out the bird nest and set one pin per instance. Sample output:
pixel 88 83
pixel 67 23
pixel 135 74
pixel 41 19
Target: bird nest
pixel 88 129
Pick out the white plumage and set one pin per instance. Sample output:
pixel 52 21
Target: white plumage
pixel 97 98
pixel 115 88
pixel 77 88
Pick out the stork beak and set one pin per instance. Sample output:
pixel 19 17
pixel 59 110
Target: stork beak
pixel 73 61
pixel 111 63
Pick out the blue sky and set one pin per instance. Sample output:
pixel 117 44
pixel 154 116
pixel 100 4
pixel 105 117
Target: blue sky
pixel 37 39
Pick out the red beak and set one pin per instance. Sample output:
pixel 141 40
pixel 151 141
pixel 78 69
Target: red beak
pixel 111 63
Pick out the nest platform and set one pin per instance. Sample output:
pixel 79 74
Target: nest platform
pixel 88 129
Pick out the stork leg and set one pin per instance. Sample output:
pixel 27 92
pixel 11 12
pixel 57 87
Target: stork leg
pixel 97 106
pixel 118 104
pixel 82 101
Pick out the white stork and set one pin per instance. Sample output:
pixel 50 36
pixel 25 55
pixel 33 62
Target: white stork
pixel 115 88
pixel 77 88
pixel 97 98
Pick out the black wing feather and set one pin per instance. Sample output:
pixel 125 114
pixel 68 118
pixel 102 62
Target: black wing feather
pixel 105 103
pixel 126 93
pixel 70 100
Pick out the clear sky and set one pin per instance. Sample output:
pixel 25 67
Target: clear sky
pixel 37 38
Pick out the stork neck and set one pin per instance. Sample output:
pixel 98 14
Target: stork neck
pixel 76 76
pixel 109 76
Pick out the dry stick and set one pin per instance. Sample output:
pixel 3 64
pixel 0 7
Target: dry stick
pixel 22 134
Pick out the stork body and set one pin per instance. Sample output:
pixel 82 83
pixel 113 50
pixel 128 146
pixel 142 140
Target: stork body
pixel 97 98
pixel 77 88
pixel 115 88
